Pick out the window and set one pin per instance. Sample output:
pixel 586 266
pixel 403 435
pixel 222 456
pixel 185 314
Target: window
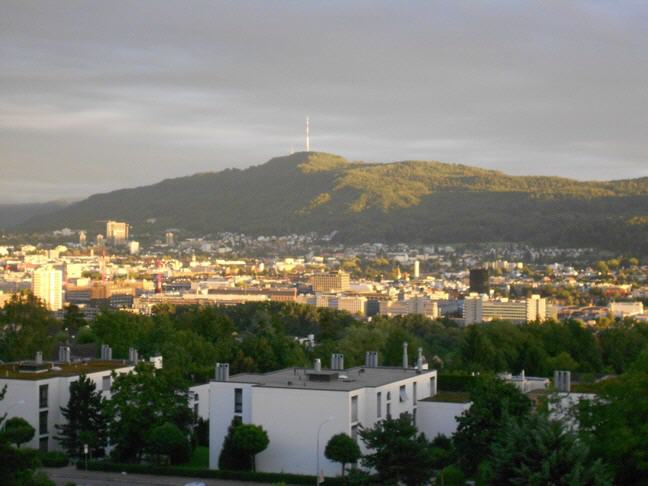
pixel 414 416
pixel 238 400
pixel 379 404
pixel 43 391
pixel 433 386
pixel 388 396
pixel 43 444
pixel 195 410
pixel 402 394
pixel 354 432
pixel 414 393
pixel 106 383
pixel 389 410
pixel 42 422
pixel 354 409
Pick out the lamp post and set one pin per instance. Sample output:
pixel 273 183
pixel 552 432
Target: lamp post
pixel 319 429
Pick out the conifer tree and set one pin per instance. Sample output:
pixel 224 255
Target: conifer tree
pixel 84 420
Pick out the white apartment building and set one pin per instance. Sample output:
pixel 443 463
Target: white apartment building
pixel 301 409
pixel 625 309
pixel 415 305
pixel 47 285
pixel 479 308
pixel 36 391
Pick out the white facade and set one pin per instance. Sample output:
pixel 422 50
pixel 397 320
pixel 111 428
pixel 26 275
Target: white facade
pixel 415 305
pixel 436 417
pixel 479 308
pixel 47 285
pixel 291 406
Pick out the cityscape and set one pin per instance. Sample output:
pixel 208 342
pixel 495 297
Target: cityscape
pixel 196 289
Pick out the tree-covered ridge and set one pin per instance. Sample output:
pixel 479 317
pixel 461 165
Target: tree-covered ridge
pixel 429 202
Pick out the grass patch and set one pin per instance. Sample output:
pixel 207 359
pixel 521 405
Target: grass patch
pixel 199 458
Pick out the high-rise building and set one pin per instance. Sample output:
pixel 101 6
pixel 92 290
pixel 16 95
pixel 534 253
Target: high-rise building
pixel 331 282
pixel 170 238
pixel 479 280
pixel 417 269
pixel 47 285
pixel 116 231
pixel 133 247
pixel 82 238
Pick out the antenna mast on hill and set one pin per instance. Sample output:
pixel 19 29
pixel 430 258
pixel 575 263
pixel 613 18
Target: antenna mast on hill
pixel 307 135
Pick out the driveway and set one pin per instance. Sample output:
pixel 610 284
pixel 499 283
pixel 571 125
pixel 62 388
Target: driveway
pixel 65 475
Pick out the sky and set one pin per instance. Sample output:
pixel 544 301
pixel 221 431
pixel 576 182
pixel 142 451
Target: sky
pixel 101 95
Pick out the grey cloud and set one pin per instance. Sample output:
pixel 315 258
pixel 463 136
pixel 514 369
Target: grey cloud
pixel 99 95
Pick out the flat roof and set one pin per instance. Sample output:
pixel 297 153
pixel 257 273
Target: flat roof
pixel 11 371
pixel 346 380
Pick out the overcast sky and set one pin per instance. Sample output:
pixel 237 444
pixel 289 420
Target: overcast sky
pixel 100 95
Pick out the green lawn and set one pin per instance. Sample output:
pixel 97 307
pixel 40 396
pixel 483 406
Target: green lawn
pixel 199 459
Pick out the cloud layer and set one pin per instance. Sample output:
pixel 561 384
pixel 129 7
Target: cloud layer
pixel 101 95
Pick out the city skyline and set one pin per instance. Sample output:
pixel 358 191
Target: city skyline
pixel 93 101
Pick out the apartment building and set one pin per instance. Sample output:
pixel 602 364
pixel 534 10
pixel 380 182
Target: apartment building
pixel 47 285
pixel 36 390
pixel 301 409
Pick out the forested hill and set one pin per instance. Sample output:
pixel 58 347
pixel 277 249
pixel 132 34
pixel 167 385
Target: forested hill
pixel 401 201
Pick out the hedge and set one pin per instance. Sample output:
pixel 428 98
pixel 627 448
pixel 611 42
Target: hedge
pixel 456 383
pixel 54 459
pixel 259 477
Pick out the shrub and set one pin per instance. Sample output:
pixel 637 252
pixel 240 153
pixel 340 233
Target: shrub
pixel 451 476
pixel 168 440
pixel 54 459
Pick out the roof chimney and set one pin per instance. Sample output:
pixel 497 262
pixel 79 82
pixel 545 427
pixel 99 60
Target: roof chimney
pixel 39 357
pixel 405 358
pixel 562 381
pixel 419 359
pixel 337 361
pixel 317 366
pixel 371 359
pixel 133 355
pixel 65 354
pixel 222 371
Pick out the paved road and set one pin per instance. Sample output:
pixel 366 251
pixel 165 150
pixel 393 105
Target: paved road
pixel 65 475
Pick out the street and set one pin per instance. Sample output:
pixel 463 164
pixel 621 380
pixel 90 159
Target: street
pixel 67 475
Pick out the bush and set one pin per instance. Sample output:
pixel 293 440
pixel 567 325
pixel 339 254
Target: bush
pixel 18 431
pixel 168 440
pixel 452 476
pixel 54 459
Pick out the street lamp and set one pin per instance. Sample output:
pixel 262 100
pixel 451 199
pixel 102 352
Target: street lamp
pixel 319 429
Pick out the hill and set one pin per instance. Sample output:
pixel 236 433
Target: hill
pixel 401 201
pixel 12 215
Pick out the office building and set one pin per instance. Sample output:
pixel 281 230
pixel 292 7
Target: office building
pixel 479 308
pixel 479 281
pixel 47 285
pixel 116 232
pixel 331 282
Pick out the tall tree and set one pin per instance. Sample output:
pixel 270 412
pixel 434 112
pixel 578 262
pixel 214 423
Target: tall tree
pixel 536 451
pixel 142 400
pixel 398 452
pixel 18 431
pixel 28 327
pixel 84 420
pixel 493 402
pixel 615 424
